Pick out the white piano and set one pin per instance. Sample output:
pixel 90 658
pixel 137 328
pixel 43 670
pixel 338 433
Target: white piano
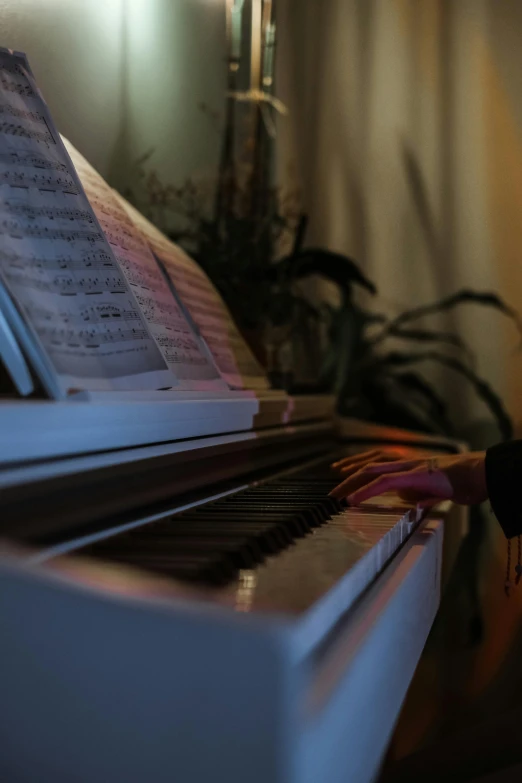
pixel 179 600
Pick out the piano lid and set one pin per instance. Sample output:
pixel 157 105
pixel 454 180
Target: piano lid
pixel 32 431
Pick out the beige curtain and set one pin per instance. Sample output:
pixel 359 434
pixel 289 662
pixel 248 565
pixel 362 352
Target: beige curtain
pixel 404 135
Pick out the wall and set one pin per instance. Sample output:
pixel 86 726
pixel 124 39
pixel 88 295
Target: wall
pixel 75 50
pixel 175 61
pixel 405 128
pixel 123 77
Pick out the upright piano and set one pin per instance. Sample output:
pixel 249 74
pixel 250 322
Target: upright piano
pixel 180 600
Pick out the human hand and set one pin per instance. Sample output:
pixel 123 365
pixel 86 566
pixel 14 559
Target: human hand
pixel 424 480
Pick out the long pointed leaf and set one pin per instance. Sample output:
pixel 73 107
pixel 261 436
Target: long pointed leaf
pixel 427 336
pixel 465 296
pixel 416 383
pixel 483 389
pixel 338 268
pixel 388 406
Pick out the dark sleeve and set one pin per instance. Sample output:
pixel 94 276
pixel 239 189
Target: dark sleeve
pixel 504 482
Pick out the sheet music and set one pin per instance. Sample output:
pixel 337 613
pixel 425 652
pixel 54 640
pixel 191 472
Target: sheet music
pixel 233 357
pixel 54 259
pixel 182 349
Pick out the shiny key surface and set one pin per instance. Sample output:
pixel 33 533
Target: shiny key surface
pixel 282 543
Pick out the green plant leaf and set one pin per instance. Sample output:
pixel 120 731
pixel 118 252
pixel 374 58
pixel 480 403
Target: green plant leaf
pixel 383 402
pixel 482 388
pixel 427 336
pixel 465 296
pixel 338 268
pixel 300 234
pixel 411 381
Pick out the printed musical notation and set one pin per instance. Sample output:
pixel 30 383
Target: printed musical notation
pixel 49 182
pixel 164 312
pixel 232 356
pixel 55 259
pixel 90 338
pixel 179 345
pixel 121 238
pixel 14 229
pixel 22 114
pixel 181 352
pixel 11 65
pixel 146 278
pixel 84 262
pixel 96 314
pixel 14 129
pixel 67 284
pixel 15 159
pixel 16 86
pixel 52 213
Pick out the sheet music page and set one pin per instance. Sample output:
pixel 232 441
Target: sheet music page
pixel 184 352
pixel 55 260
pixel 234 359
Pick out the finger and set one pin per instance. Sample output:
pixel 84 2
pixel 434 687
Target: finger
pixel 392 482
pixel 392 466
pixel 379 459
pixel 349 470
pixel 366 475
pixel 367 455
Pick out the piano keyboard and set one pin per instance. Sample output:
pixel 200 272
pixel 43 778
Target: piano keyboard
pixel 281 545
pixel 211 543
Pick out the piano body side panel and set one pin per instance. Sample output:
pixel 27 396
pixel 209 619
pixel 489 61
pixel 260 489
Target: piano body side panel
pixel 360 686
pixel 102 689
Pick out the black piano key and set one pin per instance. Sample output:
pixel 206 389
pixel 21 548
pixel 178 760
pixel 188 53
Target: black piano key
pixel 210 542
pixel 287 523
pixel 210 526
pixel 314 513
pixel 266 535
pixel 295 515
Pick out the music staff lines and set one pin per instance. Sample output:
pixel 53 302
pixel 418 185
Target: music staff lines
pixel 22 114
pixel 30 212
pixel 97 314
pixel 10 85
pixel 95 261
pixel 12 67
pixel 17 231
pixel 32 161
pixel 12 129
pixel 51 182
pixel 67 285
pixel 90 338
pixel 182 343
